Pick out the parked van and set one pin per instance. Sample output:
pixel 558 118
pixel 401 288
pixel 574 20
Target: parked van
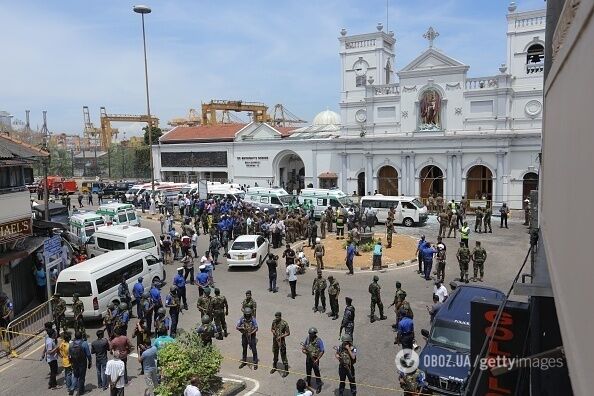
pixel 119 213
pixel 122 237
pixel 321 198
pixel 96 280
pixel 225 190
pixel 409 210
pixel 135 189
pixel 272 198
pixel 84 224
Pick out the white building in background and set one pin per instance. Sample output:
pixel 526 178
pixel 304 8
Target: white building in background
pixel 434 129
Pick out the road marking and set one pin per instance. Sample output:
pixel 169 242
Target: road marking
pixel 255 382
pixel 23 357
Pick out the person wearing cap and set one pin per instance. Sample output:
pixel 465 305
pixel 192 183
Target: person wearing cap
pixel 204 303
pixel 348 317
pixel 313 233
pixel 202 279
pixel 346 354
pixel 77 311
pixel 463 256
pixel 124 293
pixel 249 302
pixel 172 302
pixel 137 291
pixel 272 264
pixel 487 219
pixel 220 309
pixel 411 381
pixel 248 327
pixel 405 335
pixel 319 252
pixel 318 290
pixel 419 253
pixel 351 251
pixel 428 253
pixel 58 306
pixel 280 330
pixel 441 261
pixel 148 308
pixel 313 349
pixel 180 283
pixel 156 299
pixel 376 299
pixel 333 293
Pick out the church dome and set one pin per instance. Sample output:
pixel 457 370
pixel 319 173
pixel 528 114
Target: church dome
pixel 326 117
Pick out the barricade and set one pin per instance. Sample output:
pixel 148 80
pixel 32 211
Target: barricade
pixel 22 330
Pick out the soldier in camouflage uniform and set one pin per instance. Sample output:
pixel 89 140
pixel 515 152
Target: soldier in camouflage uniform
pixel 77 310
pixel 162 323
pixel 398 296
pixel 206 330
pixel 333 293
pixel 172 301
pixel 109 318
pixel 58 312
pixel 348 318
pixel 204 303
pixel 220 309
pixel 487 219
pixel 329 218
pixel 438 203
pixel 390 227
pixel 403 308
pixel 249 302
pixel 318 290
pixel 478 222
pixel 463 256
pixel 280 330
pixel 313 349
pixel 376 299
pixel 346 354
pixel 148 308
pixel 479 255
pixel 412 383
pixel 120 321
pixel 248 327
pixel 323 222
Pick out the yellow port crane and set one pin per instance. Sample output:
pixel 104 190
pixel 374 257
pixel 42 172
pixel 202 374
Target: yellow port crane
pixel 108 133
pixel 259 111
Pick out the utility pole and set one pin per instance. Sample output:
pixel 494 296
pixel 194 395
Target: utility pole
pixel 109 162
pixel 72 159
pixel 45 133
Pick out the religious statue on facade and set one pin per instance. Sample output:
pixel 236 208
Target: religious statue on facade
pixel 430 106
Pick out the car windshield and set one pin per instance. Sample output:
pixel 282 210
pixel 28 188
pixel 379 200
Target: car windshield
pixel 67 289
pixel 345 201
pixel 132 191
pixel 418 203
pixel 286 199
pixel 243 245
pixel 451 335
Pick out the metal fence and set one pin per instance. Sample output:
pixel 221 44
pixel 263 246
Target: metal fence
pixel 22 330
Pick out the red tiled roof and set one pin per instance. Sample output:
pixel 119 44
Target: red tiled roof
pixel 211 133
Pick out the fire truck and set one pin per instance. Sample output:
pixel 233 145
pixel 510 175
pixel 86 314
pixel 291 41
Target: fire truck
pixel 62 184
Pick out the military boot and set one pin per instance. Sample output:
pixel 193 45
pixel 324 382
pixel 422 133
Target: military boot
pixel 286 372
pixel 273 368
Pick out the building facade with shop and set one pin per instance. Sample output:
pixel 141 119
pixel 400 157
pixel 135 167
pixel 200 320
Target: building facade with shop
pixel 435 130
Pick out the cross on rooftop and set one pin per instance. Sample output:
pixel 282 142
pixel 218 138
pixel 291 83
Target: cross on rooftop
pixel 431 35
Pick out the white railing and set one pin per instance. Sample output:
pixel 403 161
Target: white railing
pixel 534 21
pixel 360 44
pixel 481 83
pixel 387 89
pixel 534 68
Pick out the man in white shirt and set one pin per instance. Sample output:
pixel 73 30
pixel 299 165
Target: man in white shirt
pixel 292 276
pixel 114 370
pixel 440 291
pixel 192 388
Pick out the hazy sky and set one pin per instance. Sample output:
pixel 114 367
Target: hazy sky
pixel 62 55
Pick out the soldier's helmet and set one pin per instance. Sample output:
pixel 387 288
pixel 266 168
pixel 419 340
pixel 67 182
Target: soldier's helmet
pixel 312 330
pixel 207 291
pixel 57 295
pixel 403 294
pixel 278 314
pixel 247 311
pixel 161 311
pixel 75 296
pixel 398 284
pixel 346 338
pixel 110 306
pixel 124 306
pixel 146 294
pixel 205 319
pixel 217 291
pixel 330 277
pixel 375 278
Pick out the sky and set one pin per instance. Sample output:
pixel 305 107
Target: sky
pixel 62 55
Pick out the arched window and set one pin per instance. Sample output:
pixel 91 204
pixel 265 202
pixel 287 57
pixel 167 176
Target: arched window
pixel 535 54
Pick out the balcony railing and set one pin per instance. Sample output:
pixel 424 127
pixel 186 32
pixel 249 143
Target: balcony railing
pixel 534 68
pixel 481 83
pixel 387 89
pixel 534 21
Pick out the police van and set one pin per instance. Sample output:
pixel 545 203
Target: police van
pixel 82 225
pixel 119 213
pixel 408 210
pixel 272 198
pixel 97 280
pixel 122 237
pixel 321 198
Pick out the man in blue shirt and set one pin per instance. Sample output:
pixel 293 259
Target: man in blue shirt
pixel 80 358
pixel 419 253
pixel 428 253
pixel 351 251
pixel 137 291
pixel 156 299
pixel 406 331
pixel 148 359
pixel 202 279
pixel 180 283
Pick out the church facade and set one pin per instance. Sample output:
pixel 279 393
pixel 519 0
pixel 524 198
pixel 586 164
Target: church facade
pixel 427 129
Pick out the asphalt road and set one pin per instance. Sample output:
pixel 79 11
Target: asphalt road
pixel 375 368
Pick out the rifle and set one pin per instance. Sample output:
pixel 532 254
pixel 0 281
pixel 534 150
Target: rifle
pixel 347 366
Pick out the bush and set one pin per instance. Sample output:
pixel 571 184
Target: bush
pixel 185 358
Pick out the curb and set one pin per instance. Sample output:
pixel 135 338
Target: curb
pixel 238 387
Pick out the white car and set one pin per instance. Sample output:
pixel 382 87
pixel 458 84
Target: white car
pixel 247 250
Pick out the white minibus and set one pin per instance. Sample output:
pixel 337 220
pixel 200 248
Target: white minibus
pixel 121 237
pixel 321 198
pixel 409 210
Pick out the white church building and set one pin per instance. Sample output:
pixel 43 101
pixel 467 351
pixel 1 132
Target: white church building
pixel 427 128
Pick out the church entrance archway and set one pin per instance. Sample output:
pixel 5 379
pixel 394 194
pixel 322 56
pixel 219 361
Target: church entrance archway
pixel 387 180
pixel 431 181
pixel 361 184
pixel 290 171
pixel 479 182
pixel 529 183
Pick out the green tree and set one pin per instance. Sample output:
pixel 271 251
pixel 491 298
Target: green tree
pixel 185 358
pixel 157 133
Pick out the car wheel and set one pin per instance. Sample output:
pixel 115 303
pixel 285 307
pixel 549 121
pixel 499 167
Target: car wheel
pixel 408 222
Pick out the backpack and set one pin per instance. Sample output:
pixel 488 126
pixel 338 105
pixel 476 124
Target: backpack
pixel 77 355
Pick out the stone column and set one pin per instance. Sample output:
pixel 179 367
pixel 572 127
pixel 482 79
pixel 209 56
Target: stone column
pixel 314 169
pixel 500 174
pixel 460 178
pixel 343 172
pixel 369 173
pixel 449 187
pixel 402 176
pixel 411 174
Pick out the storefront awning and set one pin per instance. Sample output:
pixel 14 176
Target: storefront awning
pixel 327 175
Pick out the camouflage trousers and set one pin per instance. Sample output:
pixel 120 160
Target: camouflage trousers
pixel 220 322
pixel 479 268
pixel 389 238
pixel 463 270
pixel 282 348
pixel 380 306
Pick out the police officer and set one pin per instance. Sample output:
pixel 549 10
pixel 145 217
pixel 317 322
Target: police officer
pixel 346 354
pixel 390 227
pixel 148 308
pixel 453 221
pixel 348 317
pixel 479 255
pixel 206 330
pixel 376 299
pixel 172 302
pixel 406 331
pixel 58 312
pixel 313 349
pixel 248 327
pixel 419 253
pixel 318 290
pixel 478 222
pixel 487 219
pixel 464 234
pixel 333 293
pixel 137 291
pixel 220 309
pixel 204 303
pixel 156 299
pixel 77 310
pixel 280 330
pixel 463 256
pixel 180 283
pixel 249 302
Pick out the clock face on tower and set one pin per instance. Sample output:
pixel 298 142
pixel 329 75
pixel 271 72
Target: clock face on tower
pixel 361 67
pixel 361 115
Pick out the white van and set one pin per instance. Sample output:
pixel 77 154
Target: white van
pixel 321 198
pixel 225 190
pixel 119 213
pixel 96 280
pixel 272 198
pixel 84 224
pixel 122 237
pixel 409 210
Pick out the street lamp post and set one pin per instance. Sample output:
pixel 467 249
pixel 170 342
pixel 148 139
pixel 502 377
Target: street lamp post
pixel 143 9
